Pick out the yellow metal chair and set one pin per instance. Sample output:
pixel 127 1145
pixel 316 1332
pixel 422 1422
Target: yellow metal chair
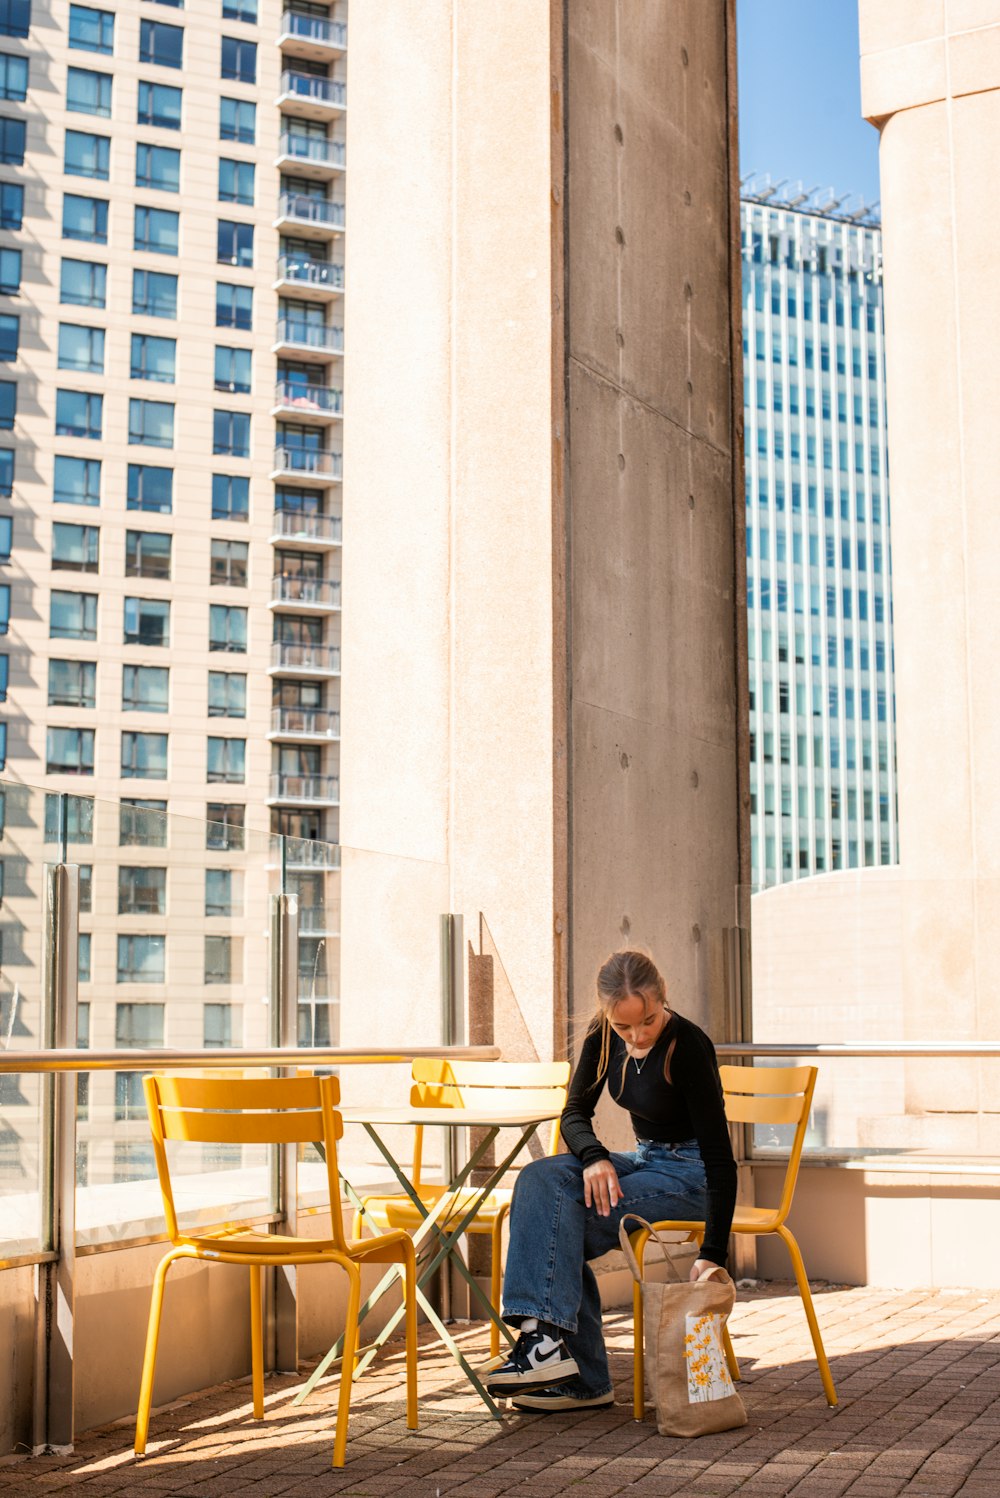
pixel 267 1110
pixel 476 1085
pixel 754 1095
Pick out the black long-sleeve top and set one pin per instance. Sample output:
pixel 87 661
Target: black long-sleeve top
pixel 689 1106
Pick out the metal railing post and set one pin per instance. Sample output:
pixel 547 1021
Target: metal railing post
pixel 452 942
pixel 52 1417
pixel 283 990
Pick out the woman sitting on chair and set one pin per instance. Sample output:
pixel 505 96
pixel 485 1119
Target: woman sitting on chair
pixel 566 1209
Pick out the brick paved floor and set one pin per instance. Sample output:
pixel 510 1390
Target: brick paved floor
pixel 918 1374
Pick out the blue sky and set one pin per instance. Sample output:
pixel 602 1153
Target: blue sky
pixel 800 111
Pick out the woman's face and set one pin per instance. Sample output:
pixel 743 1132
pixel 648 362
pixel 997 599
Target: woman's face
pixel 638 1020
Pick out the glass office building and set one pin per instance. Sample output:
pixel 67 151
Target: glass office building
pixel 822 740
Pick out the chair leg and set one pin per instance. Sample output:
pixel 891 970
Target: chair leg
pixel 801 1280
pixel 734 1367
pixel 149 1358
pixel 256 1342
pixel 410 1292
pixel 348 1360
pixel 496 1265
pixel 357 1225
pixel 638 1356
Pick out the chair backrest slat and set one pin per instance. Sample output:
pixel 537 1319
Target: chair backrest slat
pixel 761 1110
pixel 436 1095
pixel 302 1127
pixel 774 1095
pixel 769 1079
pixel 507 1074
pixel 254 1092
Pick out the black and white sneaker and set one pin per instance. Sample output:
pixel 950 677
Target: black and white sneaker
pixel 554 1401
pixel 537 1358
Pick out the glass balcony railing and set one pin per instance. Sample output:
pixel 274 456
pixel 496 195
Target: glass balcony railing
pixel 307 460
pixel 312 149
pixel 317 90
pixel 316 592
pixel 316 399
pixel 306 722
pixel 304 271
pixel 289 656
pixel 314 29
pixel 302 334
pixel 300 525
pixel 305 789
pixel 303 208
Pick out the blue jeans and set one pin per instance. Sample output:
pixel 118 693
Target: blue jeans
pixel 553 1234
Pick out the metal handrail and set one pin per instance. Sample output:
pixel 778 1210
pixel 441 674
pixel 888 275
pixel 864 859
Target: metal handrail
pixel 142 1060
pixel 827 1049
pixel 311 86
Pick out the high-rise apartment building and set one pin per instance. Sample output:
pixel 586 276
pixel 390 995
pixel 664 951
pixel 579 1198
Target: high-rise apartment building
pixel 171 345
pixel 823 777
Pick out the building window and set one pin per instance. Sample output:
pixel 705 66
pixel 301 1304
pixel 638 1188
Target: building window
pixel 81 348
pixel 73 616
pixel 223 892
pixel 161 44
pixel 75 548
pixel 144 756
pixel 10 272
pixel 147 622
pixel 13 77
pixel 12 138
pixel 77 481
pixel 224 826
pixel 154 293
pixel 87 155
pixel 6 471
pixel 228 567
pixel 231 433
pixel 10 337
pixel 234 245
pixel 233 306
pixel 72 683
pixel 157 230
pixel 83 283
pixel 223 963
pixel 227 761
pixel 240 10
pixel 145 689
pixel 85 218
pixel 227 694
pixel 69 751
pixel 232 370
pixel 147 554
pixel 86 888
pixel 4 608
pixel 238 121
pixel 68 819
pixel 159 105
pixel 91 30
pixel 158 166
pixel 150 423
pixel 227 628
pixel 218 1022
pixel 230 497
pixel 150 489
pixel 142 890
pixel 11 204
pixel 153 358
pixel 4 683
pixel 79 414
pixel 8 404
pixel 141 959
pixel 15 17
pixel 6 537
pixel 142 823
pixel 239 60
pixel 88 92
pixel 236 182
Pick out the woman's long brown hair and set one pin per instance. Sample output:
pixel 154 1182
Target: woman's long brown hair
pixel 623 975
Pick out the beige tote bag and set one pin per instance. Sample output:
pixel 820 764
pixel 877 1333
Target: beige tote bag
pixel 686 1367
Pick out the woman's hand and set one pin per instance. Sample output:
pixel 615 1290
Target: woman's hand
pixel 699 1267
pixel 601 1188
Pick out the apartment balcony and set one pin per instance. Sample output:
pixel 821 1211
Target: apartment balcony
pixel 321 278
pixel 304 790
pixel 307 156
pixel 312 595
pixel 307 340
pixel 315 921
pixel 302 853
pixel 311 98
pixel 304 465
pixel 311 532
pixel 289 659
pixel 295 724
pixel 307 217
pixel 313 37
pixel 307 402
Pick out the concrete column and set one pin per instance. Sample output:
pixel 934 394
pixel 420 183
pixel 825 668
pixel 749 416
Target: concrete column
pixel 543 520
pixel 931 83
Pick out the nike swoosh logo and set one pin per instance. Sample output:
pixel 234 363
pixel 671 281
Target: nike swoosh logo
pixel 546 1357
